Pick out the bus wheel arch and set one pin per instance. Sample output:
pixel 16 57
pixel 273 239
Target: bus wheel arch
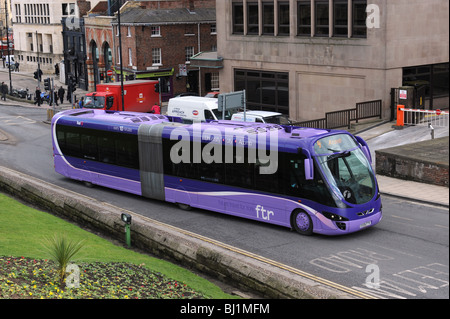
pixel 184 206
pixel 301 222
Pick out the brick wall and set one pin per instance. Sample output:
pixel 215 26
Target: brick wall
pixel 172 43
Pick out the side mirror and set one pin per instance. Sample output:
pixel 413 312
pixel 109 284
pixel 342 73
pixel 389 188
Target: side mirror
pixel 365 148
pixel 109 102
pixel 309 165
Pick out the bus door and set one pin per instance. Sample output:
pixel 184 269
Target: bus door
pixel 89 157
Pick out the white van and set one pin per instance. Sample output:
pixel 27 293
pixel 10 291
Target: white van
pixel 195 109
pixel 261 117
pixel 9 59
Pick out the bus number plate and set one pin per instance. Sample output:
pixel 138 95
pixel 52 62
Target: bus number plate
pixel 365 224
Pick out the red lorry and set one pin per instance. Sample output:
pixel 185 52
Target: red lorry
pixel 138 96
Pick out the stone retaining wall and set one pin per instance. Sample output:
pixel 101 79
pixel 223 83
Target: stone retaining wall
pixel 425 162
pixel 166 241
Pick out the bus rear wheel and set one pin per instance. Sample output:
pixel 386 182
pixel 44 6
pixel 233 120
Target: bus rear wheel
pixel 302 222
pixel 184 206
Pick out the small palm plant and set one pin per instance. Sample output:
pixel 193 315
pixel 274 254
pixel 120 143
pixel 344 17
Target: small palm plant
pixel 62 251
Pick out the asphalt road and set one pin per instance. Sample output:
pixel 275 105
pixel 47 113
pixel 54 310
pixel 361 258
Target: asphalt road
pixel 408 250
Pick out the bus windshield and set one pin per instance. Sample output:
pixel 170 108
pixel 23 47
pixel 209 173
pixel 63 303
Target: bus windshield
pixel 346 168
pixel 94 102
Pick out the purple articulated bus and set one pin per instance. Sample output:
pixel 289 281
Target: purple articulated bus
pixel 310 180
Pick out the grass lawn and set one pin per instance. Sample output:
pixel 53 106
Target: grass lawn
pixel 105 270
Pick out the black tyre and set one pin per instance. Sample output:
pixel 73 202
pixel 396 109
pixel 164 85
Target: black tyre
pixel 302 223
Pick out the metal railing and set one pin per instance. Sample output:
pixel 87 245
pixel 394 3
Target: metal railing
pixel 343 118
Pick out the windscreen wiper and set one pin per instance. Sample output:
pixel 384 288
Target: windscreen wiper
pixel 338 155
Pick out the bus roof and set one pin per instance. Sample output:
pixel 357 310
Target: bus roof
pixel 129 122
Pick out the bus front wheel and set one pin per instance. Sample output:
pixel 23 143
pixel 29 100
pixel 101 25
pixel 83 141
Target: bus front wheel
pixel 302 222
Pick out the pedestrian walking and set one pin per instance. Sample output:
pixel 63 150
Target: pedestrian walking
pixel 81 103
pixel 4 90
pixel 3 59
pixel 61 93
pixel 55 97
pixel 37 96
pixel 17 67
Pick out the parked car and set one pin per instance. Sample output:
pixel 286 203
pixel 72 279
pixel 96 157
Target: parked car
pixel 187 94
pixel 212 94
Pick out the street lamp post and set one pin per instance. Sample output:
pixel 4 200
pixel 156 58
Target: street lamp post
pixel 7 44
pixel 120 57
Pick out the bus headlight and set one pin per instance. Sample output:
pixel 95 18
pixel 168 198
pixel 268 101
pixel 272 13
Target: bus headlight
pixel 335 217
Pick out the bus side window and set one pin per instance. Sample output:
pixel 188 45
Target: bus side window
pixel 266 182
pixel 106 150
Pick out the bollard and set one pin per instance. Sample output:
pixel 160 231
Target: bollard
pixel 400 115
pixel 432 130
pixel 126 218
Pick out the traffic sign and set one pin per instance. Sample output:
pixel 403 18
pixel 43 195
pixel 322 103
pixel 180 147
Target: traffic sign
pixel 233 100
pixel 109 72
pixel 438 112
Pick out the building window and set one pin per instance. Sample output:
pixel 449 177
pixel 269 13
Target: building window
pixel 189 30
pixel 156 31
pixel 253 18
pixel 268 27
pixel 359 29
pixel 189 52
pixel 238 18
pixel 430 79
pixel 215 81
pixel 322 19
pixel 156 56
pixel 68 9
pixel 18 13
pixel 304 18
pixel 267 91
pixel 283 18
pixel 213 28
pixel 340 18
pixel 130 57
pixel 128 32
pixel 37 13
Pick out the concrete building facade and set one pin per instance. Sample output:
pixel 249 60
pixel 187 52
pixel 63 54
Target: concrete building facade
pixel 308 57
pixel 38 31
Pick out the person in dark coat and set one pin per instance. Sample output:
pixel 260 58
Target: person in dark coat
pixel 61 93
pixel 55 97
pixel 38 96
pixel 4 90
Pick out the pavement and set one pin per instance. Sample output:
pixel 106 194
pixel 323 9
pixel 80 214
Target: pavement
pixel 404 189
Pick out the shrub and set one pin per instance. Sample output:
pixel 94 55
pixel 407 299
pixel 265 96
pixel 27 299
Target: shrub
pixel 62 251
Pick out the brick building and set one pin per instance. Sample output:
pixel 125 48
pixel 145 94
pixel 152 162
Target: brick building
pixel 99 40
pixel 158 38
